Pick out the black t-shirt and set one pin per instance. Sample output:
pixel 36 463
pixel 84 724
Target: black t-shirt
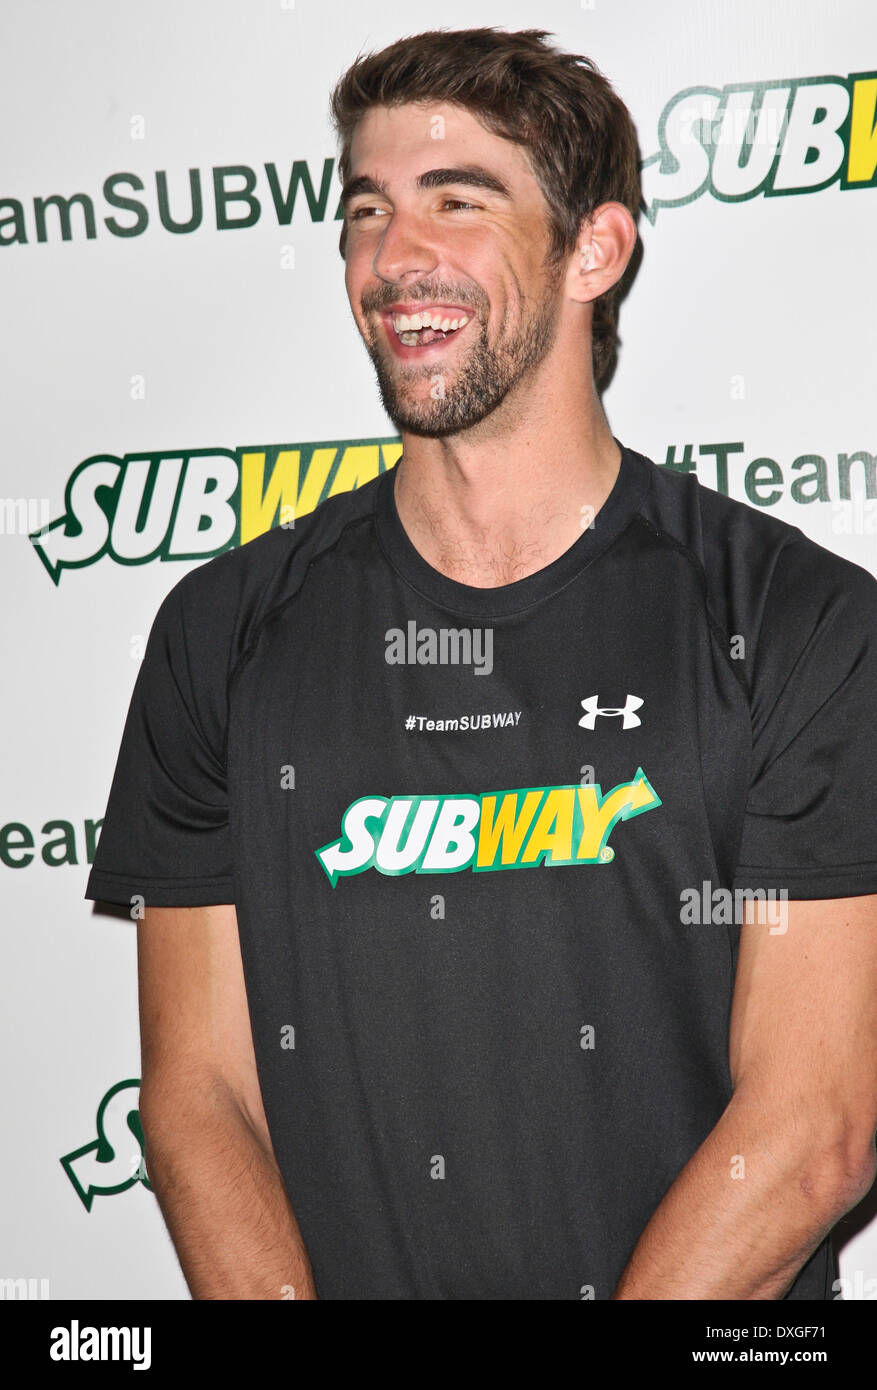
pixel 490 1018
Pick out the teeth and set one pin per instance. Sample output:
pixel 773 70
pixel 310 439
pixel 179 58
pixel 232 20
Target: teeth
pixel 407 323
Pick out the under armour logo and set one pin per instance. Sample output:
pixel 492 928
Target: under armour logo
pixel 631 720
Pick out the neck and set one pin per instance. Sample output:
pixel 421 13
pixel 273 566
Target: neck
pixel 507 497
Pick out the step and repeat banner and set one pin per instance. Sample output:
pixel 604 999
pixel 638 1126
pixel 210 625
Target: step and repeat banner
pixel 179 360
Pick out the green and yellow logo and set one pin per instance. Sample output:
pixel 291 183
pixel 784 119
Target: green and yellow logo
pixel 518 829
pixel 192 504
pixel 115 1159
pixel 792 135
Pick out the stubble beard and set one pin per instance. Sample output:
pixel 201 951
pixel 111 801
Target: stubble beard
pixel 467 393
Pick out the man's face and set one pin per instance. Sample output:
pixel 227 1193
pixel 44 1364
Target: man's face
pixel 423 238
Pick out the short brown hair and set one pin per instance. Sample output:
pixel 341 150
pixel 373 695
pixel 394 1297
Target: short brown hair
pixel 576 130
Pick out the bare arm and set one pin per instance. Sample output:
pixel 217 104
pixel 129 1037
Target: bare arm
pixel 794 1148
pixel 208 1152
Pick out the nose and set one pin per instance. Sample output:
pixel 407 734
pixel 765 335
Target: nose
pixel 403 252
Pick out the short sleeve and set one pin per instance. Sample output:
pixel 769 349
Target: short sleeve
pixel 165 834
pixel 810 825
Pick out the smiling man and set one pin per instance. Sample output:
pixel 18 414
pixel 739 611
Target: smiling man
pixel 426 1009
pixel 484 341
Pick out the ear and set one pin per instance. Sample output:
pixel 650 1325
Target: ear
pixel 603 248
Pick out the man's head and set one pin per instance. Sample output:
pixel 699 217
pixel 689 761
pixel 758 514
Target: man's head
pixel 475 166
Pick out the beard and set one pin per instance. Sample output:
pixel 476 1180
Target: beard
pixel 483 378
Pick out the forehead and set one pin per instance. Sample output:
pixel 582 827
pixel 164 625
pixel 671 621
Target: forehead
pixel 397 143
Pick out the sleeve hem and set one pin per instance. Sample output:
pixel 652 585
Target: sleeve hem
pixel 160 892
pixel 843 881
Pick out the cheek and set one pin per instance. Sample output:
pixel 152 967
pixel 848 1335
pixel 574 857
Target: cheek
pixel 355 278
pixel 502 272
pixel 358 256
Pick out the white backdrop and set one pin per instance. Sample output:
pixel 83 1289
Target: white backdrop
pixel 750 324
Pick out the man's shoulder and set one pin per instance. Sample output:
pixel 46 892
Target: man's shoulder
pixel 745 553
pixel 223 602
pixel 284 548
pixel 708 523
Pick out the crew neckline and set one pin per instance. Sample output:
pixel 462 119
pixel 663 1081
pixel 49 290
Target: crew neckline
pixel 627 492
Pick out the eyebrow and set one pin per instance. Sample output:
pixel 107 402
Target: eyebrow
pixel 473 175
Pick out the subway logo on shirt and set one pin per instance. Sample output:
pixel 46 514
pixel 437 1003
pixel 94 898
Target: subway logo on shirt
pixel 517 829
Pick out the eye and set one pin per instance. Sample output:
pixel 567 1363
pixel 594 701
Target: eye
pixel 366 209
pixel 354 216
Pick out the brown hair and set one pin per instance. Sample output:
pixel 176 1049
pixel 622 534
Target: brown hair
pixel 577 132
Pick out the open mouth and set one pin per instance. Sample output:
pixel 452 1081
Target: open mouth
pixel 421 329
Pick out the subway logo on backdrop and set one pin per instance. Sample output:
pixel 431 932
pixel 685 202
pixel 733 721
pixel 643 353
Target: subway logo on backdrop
pixel 789 135
pixel 794 135
pixel 192 504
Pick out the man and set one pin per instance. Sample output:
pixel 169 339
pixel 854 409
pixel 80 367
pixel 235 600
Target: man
pixel 443 803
